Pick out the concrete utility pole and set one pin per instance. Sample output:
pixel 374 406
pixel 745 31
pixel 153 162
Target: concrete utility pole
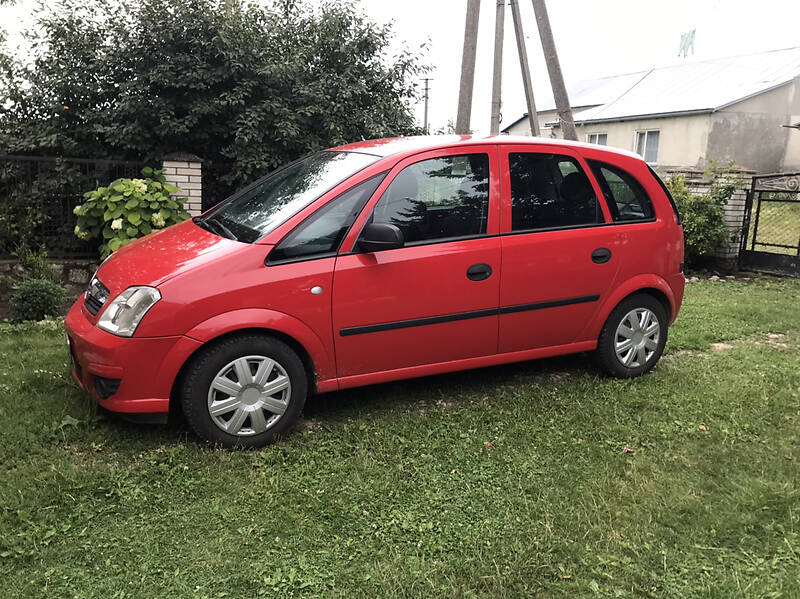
pixel 497 75
pixel 526 71
pixel 554 70
pixel 468 67
pixel 425 97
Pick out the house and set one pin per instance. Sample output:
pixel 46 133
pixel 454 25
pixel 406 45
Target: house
pixel 742 108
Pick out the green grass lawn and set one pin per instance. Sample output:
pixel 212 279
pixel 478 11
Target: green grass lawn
pixel 501 482
pixel 778 222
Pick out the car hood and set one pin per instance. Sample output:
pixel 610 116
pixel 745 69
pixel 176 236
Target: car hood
pixel 160 256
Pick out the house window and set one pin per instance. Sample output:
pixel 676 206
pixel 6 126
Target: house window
pixel 647 145
pixel 601 139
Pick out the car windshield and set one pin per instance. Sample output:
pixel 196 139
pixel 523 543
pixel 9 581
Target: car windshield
pixel 252 213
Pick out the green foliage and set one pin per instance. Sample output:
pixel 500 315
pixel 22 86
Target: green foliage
pixel 35 299
pixel 32 202
pixel 35 263
pixel 247 88
pixel 20 216
pixel 703 215
pixel 128 209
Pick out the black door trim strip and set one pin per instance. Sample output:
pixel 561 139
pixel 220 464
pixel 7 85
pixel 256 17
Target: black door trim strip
pixel 418 322
pixel 585 299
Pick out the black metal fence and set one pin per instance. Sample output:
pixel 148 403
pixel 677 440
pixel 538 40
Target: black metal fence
pixel 771 232
pixel 38 195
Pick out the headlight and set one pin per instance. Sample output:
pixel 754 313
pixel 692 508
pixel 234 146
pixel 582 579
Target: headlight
pixel 124 314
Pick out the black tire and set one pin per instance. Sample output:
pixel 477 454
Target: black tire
pixel 203 370
pixel 606 353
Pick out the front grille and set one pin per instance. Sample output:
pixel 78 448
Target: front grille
pixel 92 304
pixel 96 296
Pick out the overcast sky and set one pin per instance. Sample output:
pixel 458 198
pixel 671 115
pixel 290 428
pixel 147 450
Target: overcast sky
pixel 595 38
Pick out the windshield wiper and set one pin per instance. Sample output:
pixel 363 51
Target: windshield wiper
pixel 216 226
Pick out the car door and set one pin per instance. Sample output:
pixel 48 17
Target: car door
pixel 435 299
pixel 559 258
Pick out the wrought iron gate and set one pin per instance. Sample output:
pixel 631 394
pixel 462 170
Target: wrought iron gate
pixel 771 228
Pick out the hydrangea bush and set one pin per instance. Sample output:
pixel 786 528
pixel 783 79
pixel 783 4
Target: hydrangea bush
pixel 128 209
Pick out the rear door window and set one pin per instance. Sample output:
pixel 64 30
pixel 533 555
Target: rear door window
pixel 627 200
pixel 550 191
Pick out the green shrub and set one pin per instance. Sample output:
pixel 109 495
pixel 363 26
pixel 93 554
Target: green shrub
pixel 703 216
pixel 36 298
pixel 128 209
pixel 35 263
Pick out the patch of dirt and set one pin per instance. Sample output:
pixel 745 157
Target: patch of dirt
pixel 721 346
pixel 680 352
pixel 309 424
pixel 558 376
pixel 774 340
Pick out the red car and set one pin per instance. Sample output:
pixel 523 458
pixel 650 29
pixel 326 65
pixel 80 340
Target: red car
pixel 378 261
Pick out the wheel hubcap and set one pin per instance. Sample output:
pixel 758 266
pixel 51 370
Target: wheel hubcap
pixel 249 395
pixel 637 336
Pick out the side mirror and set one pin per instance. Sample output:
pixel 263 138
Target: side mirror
pixel 380 236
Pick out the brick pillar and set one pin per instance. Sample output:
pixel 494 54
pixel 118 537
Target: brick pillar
pixel 185 170
pixel 734 219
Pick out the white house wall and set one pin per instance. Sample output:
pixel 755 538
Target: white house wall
pixel 750 133
pixel 682 139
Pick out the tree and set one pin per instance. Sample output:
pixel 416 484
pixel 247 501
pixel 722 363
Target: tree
pixel 247 88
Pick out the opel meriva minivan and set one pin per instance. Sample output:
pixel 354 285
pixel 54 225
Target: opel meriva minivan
pixel 383 260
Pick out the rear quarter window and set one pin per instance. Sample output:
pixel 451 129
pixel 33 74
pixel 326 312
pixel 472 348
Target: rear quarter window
pixel 626 198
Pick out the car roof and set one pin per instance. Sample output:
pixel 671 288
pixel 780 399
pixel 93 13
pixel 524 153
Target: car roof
pixel 391 146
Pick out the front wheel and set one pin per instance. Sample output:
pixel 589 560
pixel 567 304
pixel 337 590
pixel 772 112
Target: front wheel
pixel 244 391
pixel 633 337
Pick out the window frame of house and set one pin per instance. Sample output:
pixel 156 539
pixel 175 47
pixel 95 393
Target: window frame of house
pixel 596 137
pixel 645 134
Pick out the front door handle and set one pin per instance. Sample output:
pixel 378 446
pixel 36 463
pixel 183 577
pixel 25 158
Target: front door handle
pixel 479 272
pixel 601 255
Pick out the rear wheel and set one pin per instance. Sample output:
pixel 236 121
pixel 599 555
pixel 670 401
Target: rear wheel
pixel 244 391
pixel 633 337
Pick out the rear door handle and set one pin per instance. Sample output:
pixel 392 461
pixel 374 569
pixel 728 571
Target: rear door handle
pixel 479 272
pixel 601 255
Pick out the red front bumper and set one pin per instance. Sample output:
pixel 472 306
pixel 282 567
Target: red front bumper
pixel 145 367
